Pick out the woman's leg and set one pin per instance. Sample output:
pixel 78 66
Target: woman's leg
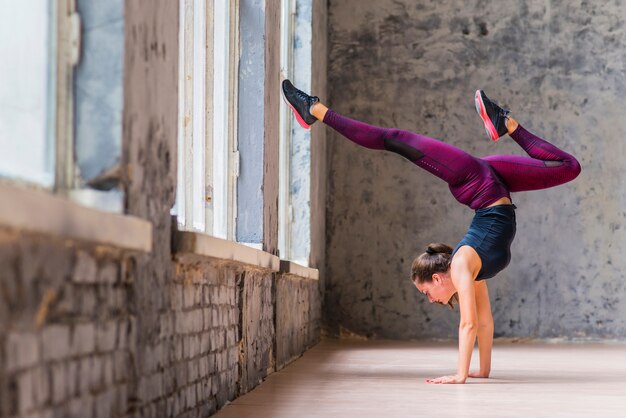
pixel 548 166
pixel 443 160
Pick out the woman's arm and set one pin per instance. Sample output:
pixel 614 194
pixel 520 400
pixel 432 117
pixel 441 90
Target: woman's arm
pixel 463 271
pixel 485 328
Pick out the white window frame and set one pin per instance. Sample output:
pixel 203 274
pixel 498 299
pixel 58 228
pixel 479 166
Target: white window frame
pixel 208 162
pixel 285 212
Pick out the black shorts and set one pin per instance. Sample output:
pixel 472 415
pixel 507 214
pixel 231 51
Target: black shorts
pixel 491 234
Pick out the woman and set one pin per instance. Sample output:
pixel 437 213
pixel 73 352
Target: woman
pixel 483 184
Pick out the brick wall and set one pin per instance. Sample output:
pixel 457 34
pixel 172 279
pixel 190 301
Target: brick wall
pixel 67 328
pixel 205 329
pixel 70 331
pixel 297 317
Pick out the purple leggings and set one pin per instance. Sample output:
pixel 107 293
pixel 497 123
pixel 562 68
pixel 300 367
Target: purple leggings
pixel 476 182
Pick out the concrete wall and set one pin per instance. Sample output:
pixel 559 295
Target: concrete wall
pixel 415 65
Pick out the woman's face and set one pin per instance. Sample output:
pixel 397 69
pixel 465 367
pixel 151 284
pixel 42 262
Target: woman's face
pixel 439 290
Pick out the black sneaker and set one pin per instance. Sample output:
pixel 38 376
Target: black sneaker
pixel 493 116
pixel 300 103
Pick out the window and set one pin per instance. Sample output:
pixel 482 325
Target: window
pixel 60 117
pixel 295 150
pixel 207 157
pixel 28 47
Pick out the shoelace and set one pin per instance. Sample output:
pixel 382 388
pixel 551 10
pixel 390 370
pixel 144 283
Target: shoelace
pixel 302 95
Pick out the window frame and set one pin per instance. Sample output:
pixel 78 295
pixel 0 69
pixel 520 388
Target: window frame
pixel 219 157
pixel 285 212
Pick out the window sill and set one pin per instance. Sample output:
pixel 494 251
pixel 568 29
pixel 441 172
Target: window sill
pixel 199 244
pixel 289 267
pixel 41 212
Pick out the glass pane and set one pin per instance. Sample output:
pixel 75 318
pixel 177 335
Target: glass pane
pixel 27 90
pixel 98 87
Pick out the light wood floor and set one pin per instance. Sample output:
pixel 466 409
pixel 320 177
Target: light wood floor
pixel 386 379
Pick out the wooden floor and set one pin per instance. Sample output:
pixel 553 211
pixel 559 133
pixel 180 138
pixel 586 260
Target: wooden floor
pixel 386 379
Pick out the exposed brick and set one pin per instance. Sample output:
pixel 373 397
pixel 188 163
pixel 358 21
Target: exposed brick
pixel 106 336
pixel 181 373
pixel 121 366
pixel 109 272
pixel 93 372
pixel 206 296
pixel 59 382
pixel 121 403
pixel 84 375
pixel 177 296
pixel 117 298
pixel 22 351
pixel 211 363
pixel 81 407
pixel 215 317
pixel 83 340
pixel 191 395
pixel 178 349
pixel 122 334
pixel 196 320
pixel 169 408
pixel 87 296
pixel 167 326
pixel 72 378
pixel 188 296
pixel 85 269
pixel 55 342
pixel 156 386
pixel 104 403
pixel 32 390
pixel 231 337
pixel 205 343
pixel 186 347
pixel 194 345
pixel 107 370
pixel 181 322
pixel 193 367
pixel 203 366
pixel 131 332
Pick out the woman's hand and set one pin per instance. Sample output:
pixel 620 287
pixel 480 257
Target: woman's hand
pixel 455 379
pixel 482 375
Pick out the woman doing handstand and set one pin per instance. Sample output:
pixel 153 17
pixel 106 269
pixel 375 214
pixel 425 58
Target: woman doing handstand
pixel 483 184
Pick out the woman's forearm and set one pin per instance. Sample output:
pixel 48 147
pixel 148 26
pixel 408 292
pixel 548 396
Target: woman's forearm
pixel 467 338
pixel 485 343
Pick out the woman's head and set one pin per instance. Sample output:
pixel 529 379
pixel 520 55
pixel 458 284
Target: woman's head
pixel 430 273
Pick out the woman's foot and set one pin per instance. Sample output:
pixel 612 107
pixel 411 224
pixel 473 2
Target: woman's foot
pixel 300 103
pixel 493 116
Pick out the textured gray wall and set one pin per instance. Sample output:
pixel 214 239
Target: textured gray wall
pixel 415 65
